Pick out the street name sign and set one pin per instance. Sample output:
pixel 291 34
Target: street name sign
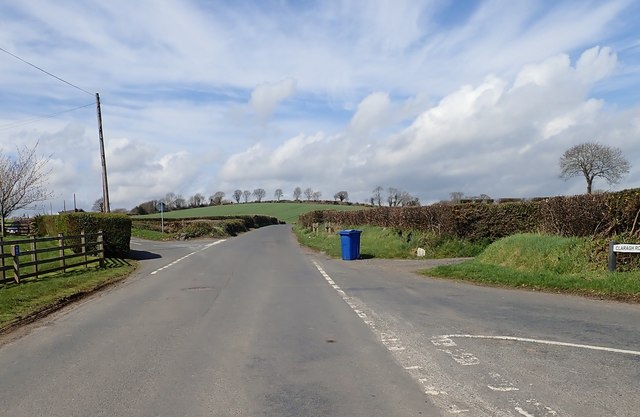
pixel 627 248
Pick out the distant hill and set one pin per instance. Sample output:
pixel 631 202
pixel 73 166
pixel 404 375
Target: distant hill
pixel 286 212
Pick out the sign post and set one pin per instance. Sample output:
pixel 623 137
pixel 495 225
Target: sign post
pixel 160 206
pixel 615 248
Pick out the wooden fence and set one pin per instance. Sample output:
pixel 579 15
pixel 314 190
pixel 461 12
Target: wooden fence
pixel 33 257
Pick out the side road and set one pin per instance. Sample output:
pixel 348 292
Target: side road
pixel 491 351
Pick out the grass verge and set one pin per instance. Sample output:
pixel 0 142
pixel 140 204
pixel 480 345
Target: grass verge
pixel 549 263
pixel 379 242
pixel 151 234
pixel 33 297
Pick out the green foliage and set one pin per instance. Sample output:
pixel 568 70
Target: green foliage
pixel 535 252
pixel 604 214
pixel 545 262
pixel 201 228
pixel 116 228
pixel 189 228
pixel 380 242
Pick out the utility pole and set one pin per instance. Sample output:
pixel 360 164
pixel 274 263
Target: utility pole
pixel 105 185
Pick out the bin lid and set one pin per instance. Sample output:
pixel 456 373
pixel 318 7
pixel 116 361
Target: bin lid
pixel 349 232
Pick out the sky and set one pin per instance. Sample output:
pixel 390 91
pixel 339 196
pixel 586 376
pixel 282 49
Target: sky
pixel 430 97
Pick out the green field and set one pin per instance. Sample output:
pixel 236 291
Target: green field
pixel 286 212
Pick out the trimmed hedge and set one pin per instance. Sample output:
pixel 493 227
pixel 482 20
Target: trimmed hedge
pixel 116 228
pixel 605 214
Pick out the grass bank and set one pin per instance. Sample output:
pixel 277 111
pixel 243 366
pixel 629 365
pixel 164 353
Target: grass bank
pixel 286 212
pixel 549 263
pixel 33 296
pixel 378 242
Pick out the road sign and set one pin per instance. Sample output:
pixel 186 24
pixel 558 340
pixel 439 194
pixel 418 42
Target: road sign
pixel 627 248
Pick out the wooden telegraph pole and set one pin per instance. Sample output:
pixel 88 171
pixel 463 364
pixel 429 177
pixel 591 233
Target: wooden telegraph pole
pixel 105 185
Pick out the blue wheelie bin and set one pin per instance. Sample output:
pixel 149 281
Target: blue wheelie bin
pixel 350 242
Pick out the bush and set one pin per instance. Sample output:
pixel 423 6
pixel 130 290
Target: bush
pixel 605 214
pixel 116 228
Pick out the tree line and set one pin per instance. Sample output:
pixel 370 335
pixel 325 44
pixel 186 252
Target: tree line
pixel 172 201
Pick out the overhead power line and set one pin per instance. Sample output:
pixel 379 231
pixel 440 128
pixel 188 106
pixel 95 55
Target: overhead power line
pixel 38 118
pixel 46 72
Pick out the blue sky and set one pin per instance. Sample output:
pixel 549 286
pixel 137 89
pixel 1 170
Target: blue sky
pixel 430 97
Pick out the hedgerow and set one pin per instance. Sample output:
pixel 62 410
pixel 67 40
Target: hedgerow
pixel 602 215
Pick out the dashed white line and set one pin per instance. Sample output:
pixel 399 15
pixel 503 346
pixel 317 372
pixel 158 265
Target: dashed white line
pixel 502 389
pixel 187 255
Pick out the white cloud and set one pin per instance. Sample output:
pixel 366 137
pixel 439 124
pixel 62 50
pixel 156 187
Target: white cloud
pixel 373 112
pixel 265 97
pixel 423 95
pixel 499 137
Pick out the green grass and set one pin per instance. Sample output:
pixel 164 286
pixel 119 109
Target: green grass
pixel 378 242
pixel 287 212
pixel 150 234
pixel 542 262
pixel 35 295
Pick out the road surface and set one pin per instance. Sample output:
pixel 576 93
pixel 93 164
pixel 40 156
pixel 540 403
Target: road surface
pixel 257 326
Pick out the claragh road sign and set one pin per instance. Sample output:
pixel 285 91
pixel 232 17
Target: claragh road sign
pixel 627 248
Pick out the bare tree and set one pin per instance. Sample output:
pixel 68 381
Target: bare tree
pixel 246 194
pixel 456 196
pixel 259 194
pixel 308 193
pixel 22 181
pixel 316 195
pixel 237 195
pixel 196 200
pixel 341 195
pixel 593 160
pixel 170 201
pixel 297 192
pixel 98 205
pixel 376 198
pixel 405 199
pixel 148 207
pixel 179 202
pixel 278 194
pixel 392 196
pixel 217 198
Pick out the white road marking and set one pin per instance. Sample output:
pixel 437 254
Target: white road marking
pixel 543 342
pixel 524 413
pixel 187 255
pixel 501 384
pixel 502 389
pixel 458 354
pixel 455 410
pixel 404 355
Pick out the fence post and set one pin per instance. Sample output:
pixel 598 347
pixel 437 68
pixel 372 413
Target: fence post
pixel 612 257
pixel 34 254
pixel 101 248
pixel 4 274
pixel 61 246
pixel 83 243
pixel 15 252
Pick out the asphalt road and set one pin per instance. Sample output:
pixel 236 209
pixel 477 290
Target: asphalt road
pixel 256 326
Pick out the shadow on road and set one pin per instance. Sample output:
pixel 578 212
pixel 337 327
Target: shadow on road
pixel 142 255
